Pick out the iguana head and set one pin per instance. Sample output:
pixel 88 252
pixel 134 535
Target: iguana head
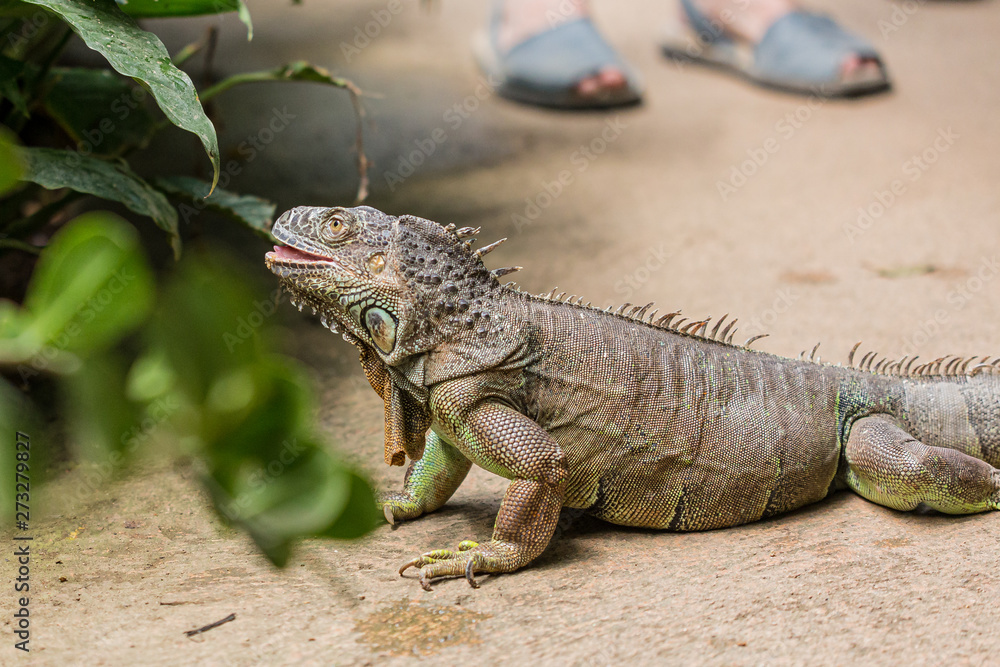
pixel 401 285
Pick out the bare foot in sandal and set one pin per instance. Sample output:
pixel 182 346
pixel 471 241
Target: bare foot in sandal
pixel 751 19
pixel 548 52
pixel 776 44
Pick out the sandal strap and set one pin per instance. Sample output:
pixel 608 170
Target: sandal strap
pixel 561 56
pixel 708 30
pixel 807 47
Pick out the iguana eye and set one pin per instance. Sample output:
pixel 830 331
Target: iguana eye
pixel 376 263
pixel 336 228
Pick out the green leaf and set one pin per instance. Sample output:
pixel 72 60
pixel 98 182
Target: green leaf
pixel 99 110
pixel 54 168
pixel 161 8
pixel 253 212
pixel 102 420
pixel 244 14
pixel 90 287
pixel 249 411
pixel 302 492
pixel 139 54
pixel 11 167
pixel 296 71
pixel 206 322
pixel 147 9
pixel 360 515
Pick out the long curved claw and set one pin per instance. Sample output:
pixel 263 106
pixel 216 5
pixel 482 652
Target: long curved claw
pixel 387 511
pixel 451 562
pixel 413 563
pixel 470 573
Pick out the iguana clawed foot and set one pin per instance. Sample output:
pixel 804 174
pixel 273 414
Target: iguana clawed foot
pixel 467 560
pixel 399 506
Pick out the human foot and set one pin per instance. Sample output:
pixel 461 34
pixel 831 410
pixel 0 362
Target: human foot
pixel 548 52
pixel 523 19
pixel 804 52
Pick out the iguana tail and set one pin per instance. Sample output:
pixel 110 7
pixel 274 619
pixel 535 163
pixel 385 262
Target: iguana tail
pixel 957 412
pixel 941 449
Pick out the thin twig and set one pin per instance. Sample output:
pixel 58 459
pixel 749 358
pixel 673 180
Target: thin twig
pixel 210 626
pixel 359 139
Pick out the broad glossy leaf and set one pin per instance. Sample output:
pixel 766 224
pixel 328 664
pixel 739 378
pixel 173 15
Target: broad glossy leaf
pixel 16 8
pixel 99 110
pixel 139 54
pixel 161 8
pixel 253 212
pixel 90 287
pixel 54 168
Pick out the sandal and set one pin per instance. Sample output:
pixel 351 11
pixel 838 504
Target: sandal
pixel 801 52
pixel 546 68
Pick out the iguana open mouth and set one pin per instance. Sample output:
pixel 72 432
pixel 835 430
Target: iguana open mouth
pixel 289 254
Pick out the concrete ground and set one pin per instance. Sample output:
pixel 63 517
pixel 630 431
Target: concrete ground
pixel 872 220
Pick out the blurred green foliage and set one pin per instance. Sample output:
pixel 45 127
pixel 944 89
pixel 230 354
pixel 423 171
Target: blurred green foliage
pixel 243 411
pixel 134 358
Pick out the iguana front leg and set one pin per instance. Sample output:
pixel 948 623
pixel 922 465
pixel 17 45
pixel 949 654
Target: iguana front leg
pixel 505 442
pixel 429 482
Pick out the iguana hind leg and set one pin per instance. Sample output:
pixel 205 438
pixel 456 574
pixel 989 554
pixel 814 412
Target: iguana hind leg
pixel 888 466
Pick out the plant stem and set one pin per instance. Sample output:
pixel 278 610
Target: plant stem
pixel 14 244
pixel 235 80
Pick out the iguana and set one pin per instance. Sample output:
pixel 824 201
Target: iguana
pixel 638 420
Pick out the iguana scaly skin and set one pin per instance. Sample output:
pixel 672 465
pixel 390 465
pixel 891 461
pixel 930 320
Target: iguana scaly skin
pixel 641 422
